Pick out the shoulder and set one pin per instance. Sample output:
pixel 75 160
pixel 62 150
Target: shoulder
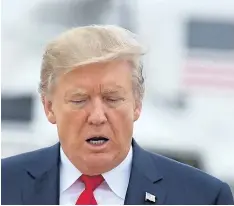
pixel 20 161
pixel 18 171
pixel 190 181
pixel 183 172
pixel 183 183
pixel 172 171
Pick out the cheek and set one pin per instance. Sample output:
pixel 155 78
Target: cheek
pixel 122 120
pixel 69 123
pixel 67 114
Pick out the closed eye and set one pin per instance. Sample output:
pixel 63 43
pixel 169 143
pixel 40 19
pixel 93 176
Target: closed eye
pixel 113 100
pixel 77 101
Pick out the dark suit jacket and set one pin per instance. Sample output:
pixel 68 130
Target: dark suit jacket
pixel 33 178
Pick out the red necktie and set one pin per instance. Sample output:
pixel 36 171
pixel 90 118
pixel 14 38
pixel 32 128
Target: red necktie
pixel 91 183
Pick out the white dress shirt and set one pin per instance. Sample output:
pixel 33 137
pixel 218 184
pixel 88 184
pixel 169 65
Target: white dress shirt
pixel 111 192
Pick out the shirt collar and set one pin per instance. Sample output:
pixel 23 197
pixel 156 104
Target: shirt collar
pixel 117 179
pixel 68 172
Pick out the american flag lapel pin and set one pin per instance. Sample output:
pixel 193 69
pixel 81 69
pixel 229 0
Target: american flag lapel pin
pixel 150 198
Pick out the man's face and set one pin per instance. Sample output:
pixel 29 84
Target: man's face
pixel 94 109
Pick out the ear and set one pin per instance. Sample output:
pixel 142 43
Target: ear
pixel 137 110
pixel 48 110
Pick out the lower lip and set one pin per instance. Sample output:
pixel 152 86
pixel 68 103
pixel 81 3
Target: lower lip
pixel 98 146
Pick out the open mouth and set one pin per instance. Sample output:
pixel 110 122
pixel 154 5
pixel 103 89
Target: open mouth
pixel 97 141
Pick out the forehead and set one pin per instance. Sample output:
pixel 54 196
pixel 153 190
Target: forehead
pixel 115 75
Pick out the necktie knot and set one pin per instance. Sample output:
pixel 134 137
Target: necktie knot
pixel 91 182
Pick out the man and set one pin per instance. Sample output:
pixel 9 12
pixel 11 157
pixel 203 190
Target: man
pixel 92 88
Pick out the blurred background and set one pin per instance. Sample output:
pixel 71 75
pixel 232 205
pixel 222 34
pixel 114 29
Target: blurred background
pixel 188 110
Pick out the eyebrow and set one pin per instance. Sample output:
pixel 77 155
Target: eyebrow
pixel 116 89
pixel 76 93
pixel 110 92
pixel 113 90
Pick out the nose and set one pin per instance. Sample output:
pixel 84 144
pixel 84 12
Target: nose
pixel 97 114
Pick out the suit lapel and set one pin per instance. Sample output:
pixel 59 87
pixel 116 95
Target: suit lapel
pixel 42 179
pixel 145 177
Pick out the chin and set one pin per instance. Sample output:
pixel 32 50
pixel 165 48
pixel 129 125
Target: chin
pixel 100 163
pixel 100 158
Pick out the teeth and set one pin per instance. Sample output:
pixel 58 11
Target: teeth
pixel 97 141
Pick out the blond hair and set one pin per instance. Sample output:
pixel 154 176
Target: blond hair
pixel 91 44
